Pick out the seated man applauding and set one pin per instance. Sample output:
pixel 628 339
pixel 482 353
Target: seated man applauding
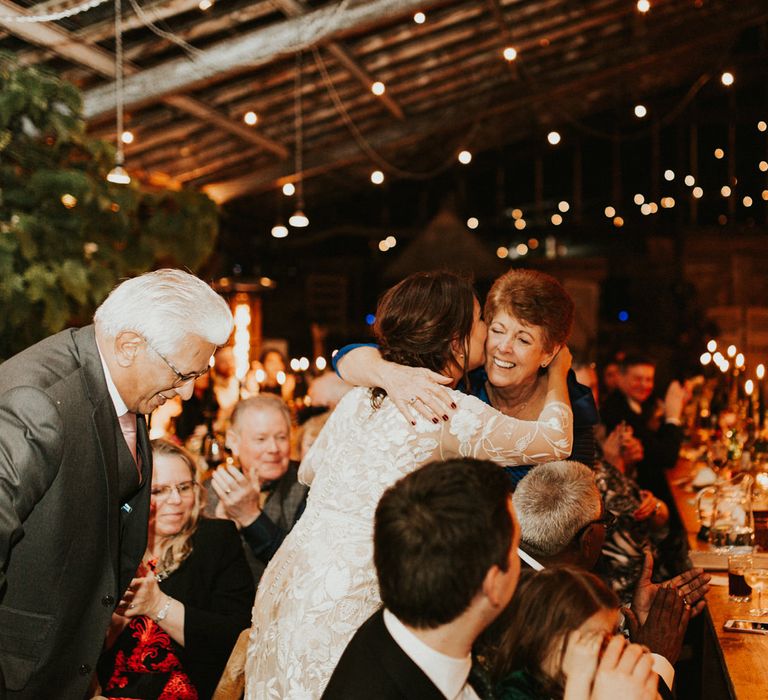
pixel 445 541
pixel 265 499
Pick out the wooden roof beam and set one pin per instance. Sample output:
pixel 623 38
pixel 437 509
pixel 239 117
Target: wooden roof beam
pixel 103 62
pixel 297 8
pixel 249 50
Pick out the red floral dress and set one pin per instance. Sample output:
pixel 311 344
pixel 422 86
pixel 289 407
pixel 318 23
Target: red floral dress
pixel 145 664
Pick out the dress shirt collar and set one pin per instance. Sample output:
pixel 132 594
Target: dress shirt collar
pixel 120 408
pixel 635 406
pixel 447 673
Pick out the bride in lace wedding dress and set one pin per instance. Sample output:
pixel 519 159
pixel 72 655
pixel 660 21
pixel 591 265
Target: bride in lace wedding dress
pixel 321 585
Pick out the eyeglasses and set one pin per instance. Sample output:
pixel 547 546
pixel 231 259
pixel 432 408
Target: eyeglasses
pixel 181 378
pixel 185 489
pixel 607 520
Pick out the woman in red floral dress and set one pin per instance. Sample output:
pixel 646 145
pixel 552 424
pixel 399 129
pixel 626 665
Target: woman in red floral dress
pixel 172 633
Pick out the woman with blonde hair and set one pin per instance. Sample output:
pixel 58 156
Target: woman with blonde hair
pixel 172 633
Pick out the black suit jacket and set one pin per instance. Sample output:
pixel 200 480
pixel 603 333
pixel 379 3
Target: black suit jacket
pixel 374 667
pixel 68 546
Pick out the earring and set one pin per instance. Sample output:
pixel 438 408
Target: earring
pixel 543 365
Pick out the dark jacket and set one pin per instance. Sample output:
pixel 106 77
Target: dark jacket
pixel 215 585
pixel 68 545
pixel 374 667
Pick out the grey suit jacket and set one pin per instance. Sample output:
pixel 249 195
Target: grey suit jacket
pixel 68 546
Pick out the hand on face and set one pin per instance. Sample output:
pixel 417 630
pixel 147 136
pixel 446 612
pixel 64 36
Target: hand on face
pixel 625 671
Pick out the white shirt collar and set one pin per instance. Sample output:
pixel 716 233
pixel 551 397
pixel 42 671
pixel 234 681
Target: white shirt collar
pixel 447 673
pixel 120 408
pixel 635 406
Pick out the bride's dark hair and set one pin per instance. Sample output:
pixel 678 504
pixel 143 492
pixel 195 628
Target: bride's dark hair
pixel 418 319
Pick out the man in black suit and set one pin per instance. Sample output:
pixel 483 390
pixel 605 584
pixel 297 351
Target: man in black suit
pixel 75 470
pixel 445 550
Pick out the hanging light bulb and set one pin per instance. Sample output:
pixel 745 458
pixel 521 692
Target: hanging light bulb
pixel 298 219
pixel 279 231
pixel 119 175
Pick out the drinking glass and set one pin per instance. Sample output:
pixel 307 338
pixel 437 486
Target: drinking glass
pixel 738 590
pixel 757 578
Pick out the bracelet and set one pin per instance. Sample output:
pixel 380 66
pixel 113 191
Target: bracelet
pixel 163 612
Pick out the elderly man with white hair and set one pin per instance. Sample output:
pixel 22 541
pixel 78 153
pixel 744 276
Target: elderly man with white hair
pixel 75 471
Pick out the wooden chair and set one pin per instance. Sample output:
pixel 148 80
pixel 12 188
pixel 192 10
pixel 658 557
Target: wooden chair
pixel 232 682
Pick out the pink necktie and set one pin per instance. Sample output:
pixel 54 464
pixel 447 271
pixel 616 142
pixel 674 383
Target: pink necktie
pixel 128 426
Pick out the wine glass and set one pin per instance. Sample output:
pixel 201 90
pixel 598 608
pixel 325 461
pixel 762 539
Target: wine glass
pixel 756 576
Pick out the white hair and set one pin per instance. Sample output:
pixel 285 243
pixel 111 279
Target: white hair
pixel 260 403
pixel 166 306
pixel 553 502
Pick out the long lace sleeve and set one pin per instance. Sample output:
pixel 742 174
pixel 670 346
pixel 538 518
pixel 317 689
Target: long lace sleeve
pixel 480 431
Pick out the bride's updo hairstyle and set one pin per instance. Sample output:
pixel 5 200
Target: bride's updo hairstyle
pixel 418 318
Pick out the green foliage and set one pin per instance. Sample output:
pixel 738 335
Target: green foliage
pixel 59 257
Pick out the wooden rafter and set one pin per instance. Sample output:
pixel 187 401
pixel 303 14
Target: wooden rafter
pixel 103 62
pixel 253 49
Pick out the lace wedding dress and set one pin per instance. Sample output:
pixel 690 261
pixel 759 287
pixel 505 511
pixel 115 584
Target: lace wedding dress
pixel 321 585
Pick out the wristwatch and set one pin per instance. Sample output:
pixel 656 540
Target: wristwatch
pixel 163 612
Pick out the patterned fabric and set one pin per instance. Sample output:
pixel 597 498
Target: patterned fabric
pixel 624 550
pixel 146 665
pixel 321 585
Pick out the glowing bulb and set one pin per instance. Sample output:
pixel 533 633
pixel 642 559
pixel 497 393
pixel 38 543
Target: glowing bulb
pixel 205 5
pixel 760 371
pixel 747 201
pixel 127 137
pixel 712 345
pixel 690 180
pixel 383 246
pixel 640 111
pixel 502 252
pixel 419 18
pixel 645 209
pixel 299 219
pixel 279 231
pixel 638 199
pixel 563 206
pixel 556 219
pixel 517 213
pixel 250 118
pixel 280 377
pixel 610 212
pixel 304 364
pixel 749 387
pixel 522 249
pixel 727 78
pixel 724 366
pixel 705 358
pixel 669 175
pixel 377 177
pixel 378 88
pixel 289 189
pixel 763 166
pixel 739 361
pixel 698 193
pixel 68 200
pixel 465 157
pixel 510 53
pixel 618 222
pixel 762 126
pixel 118 175
pixel 731 351
pixel 725 191
pixel 520 224
pixel 391 241
pixel 643 6
pixel 472 222
pixel 321 363
pixel 553 137
pixel 719 358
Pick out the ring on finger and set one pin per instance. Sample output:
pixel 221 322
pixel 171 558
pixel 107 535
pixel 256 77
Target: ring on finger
pixel 228 491
pixel 412 400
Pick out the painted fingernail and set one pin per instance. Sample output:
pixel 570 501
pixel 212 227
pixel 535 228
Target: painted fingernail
pixel 413 422
pixel 445 417
pixel 453 404
pixel 434 420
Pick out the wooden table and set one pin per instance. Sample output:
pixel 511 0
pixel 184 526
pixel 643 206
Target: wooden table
pixel 735 665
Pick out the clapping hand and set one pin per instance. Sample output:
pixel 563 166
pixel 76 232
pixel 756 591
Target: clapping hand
pixel 664 626
pixel 238 495
pixel 143 597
